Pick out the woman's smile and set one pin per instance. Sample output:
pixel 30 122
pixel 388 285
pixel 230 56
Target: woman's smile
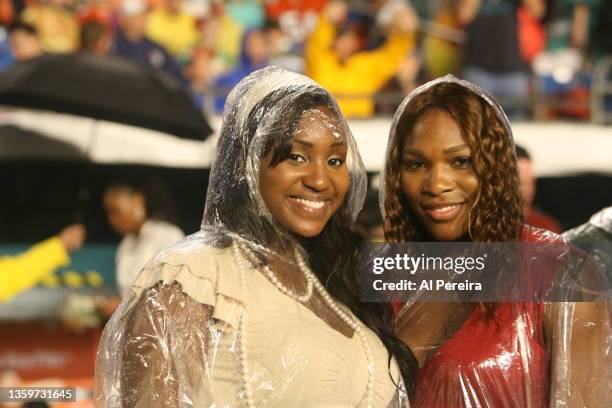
pixel 305 189
pixel 437 177
pixel 310 206
pixel 442 212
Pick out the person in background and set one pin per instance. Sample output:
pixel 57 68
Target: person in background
pixel 571 24
pixel 132 43
pixel 221 34
pixel 254 55
pixel 441 47
pixel 283 50
pixel 142 214
pixel 96 38
pixel 56 23
pixel 24 41
pixel 173 28
pixel 200 70
pixel 23 271
pixel 571 45
pixel 492 56
pixel 334 59
pixel 403 82
pixel 533 216
pixel 296 19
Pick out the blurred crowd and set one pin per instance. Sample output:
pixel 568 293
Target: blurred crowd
pixel 368 53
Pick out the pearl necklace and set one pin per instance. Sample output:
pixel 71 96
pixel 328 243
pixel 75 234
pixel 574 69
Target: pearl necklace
pixel 312 281
pixel 274 279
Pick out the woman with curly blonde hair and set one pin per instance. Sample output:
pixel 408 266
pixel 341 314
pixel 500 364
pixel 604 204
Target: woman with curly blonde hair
pixel 451 175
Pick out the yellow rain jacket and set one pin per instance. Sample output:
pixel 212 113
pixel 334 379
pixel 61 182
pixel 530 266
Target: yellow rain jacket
pixel 23 271
pixel 362 74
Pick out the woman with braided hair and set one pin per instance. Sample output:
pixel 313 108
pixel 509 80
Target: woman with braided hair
pixel 451 175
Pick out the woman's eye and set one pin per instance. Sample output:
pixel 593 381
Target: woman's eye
pixel 336 162
pixel 296 158
pixel 462 162
pixel 414 164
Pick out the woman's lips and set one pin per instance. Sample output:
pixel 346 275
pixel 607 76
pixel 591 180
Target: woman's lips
pixel 442 212
pixel 310 208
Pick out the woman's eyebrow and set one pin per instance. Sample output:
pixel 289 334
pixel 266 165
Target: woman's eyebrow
pixel 308 144
pixel 455 148
pixel 302 142
pixel 412 150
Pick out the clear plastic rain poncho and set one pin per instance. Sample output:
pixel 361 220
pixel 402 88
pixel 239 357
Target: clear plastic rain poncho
pixel 207 325
pixel 554 351
pixel 595 237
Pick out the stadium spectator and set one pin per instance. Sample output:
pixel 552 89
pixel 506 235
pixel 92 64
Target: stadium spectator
pixel 441 47
pixel 56 23
pixel 492 56
pixel 102 11
pixel 296 18
pixel 24 41
pixel 284 51
pixel 571 23
pixel 200 70
pixel 9 9
pixel 533 216
pixel 142 214
pixel 403 82
pixel 572 43
pixel 96 38
pixel 255 53
pixel 132 43
pixel 335 60
pixel 222 34
pixel 21 272
pixel 173 28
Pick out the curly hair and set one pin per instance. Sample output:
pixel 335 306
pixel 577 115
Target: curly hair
pixel 497 212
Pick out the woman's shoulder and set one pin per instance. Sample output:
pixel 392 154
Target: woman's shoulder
pixel 195 251
pixel 202 269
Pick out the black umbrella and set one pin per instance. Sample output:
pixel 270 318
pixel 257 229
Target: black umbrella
pixel 106 88
pixel 19 144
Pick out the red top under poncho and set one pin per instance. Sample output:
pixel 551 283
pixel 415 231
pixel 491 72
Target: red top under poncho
pixel 493 361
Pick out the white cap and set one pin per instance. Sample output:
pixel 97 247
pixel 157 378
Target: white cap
pixel 133 7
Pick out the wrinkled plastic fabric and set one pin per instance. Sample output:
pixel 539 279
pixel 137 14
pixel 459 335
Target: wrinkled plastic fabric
pixel 178 339
pixel 595 237
pixel 517 354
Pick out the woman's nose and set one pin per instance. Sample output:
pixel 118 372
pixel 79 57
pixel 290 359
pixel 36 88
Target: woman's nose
pixel 316 177
pixel 438 181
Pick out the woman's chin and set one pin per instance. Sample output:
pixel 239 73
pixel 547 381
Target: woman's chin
pixel 306 234
pixel 449 236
